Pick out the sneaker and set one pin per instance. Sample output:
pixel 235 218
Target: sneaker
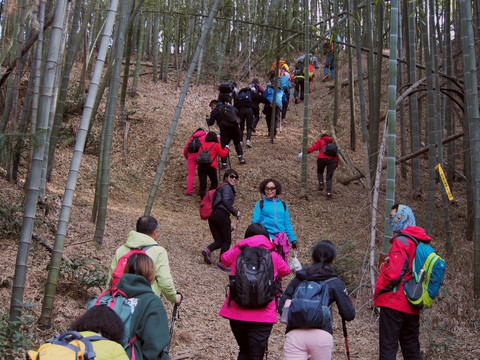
pixel 224 166
pixel 249 144
pixel 189 194
pixel 320 186
pixel 241 143
pixel 222 267
pixel 329 196
pixel 325 78
pixel 207 256
pixel 242 160
pixel 296 100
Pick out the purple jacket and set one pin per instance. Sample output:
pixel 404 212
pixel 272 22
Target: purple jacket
pixel 281 269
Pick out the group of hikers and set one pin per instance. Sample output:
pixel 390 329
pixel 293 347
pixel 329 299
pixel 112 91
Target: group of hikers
pixel 305 305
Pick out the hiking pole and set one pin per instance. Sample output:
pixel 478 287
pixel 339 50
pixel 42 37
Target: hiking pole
pixel 344 326
pixel 174 314
pixel 236 231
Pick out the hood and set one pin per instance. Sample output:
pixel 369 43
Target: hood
pixel 302 275
pixel 417 232
pixel 257 240
pixel 199 133
pixel 134 285
pixel 136 239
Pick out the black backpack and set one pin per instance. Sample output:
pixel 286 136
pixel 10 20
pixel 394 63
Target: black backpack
pixel 228 115
pixel 253 284
pixel 204 157
pixel 194 145
pixel 244 97
pixel 330 149
pixel 299 69
pixel 226 87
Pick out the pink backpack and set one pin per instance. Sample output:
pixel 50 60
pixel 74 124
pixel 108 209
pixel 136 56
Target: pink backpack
pixel 118 272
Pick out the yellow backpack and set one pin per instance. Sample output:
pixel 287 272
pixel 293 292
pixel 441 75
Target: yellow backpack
pixel 70 345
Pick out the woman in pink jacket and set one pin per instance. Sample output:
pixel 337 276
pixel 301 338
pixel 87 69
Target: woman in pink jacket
pixel 252 326
pixel 324 161
pixel 192 159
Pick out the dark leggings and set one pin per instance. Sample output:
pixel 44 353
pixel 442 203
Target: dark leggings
pixel 252 338
pixel 221 229
pixel 203 172
pixel 331 165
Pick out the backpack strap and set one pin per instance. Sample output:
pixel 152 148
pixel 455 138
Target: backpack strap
pixel 262 201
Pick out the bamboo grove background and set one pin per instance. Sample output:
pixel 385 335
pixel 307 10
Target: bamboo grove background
pixel 431 47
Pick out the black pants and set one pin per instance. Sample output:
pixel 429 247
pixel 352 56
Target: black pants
pixel 228 134
pixel 299 88
pixel 252 338
pixel 203 172
pixel 268 117
pixel 221 229
pixel 246 116
pixel 394 327
pixel 331 165
pixel 285 104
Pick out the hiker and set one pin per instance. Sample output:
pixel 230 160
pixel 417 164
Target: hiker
pixel 399 322
pixel 228 90
pixel 274 215
pixel 256 88
pixel 149 326
pixel 299 78
pixel 282 65
pixel 316 340
pixel 324 161
pixel 313 64
pixel 146 235
pixel 103 321
pixel 285 81
pixel 219 221
pixel 329 60
pixel 190 151
pixel 211 144
pixel 252 326
pixel 228 131
pixel 280 99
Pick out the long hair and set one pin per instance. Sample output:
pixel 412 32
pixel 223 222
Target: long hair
pixel 140 264
pixel 323 254
pixel 103 320
pixel 256 228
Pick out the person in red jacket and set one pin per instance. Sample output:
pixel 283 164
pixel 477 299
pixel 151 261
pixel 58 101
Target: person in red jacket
pixel 211 143
pixel 191 158
pixel 252 326
pixel 324 161
pixel 399 322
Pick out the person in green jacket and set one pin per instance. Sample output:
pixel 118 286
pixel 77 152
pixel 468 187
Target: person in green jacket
pixel 102 321
pixel 149 326
pixel 145 236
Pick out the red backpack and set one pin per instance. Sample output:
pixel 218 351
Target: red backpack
pixel 207 202
pixel 118 272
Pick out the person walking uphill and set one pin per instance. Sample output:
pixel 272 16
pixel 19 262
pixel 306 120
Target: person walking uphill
pixel 229 127
pixel 304 339
pixel 324 161
pixel 211 144
pixel 274 215
pixel 145 237
pixel 399 322
pixel 190 151
pixel 252 326
pixel 219 221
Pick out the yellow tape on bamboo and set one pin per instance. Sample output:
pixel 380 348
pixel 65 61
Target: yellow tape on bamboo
pixel 445 182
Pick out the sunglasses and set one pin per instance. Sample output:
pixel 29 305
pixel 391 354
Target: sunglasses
pixel 270 188
pixel 233 177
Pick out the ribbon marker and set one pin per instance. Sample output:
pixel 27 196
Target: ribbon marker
pixel 444 181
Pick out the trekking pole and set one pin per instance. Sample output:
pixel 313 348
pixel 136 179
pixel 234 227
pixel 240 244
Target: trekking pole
pixel 174 314
pixel 236 231
pixel 346 340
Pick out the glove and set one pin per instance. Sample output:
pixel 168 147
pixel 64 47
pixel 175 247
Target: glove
pixel 227 147
pixel 300 155
pixel 294 244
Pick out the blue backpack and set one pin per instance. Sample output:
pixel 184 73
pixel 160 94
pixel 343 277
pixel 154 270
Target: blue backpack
pixel 310 305
pixel 428 270
pixel 244 97
pixel 116 300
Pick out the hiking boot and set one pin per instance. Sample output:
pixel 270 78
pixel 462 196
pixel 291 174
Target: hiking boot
pixel 189 194
pixel 242 160
pixel 320 186
pixel 222 267
pixel 249 144
pixel 224 166
pixel 207 256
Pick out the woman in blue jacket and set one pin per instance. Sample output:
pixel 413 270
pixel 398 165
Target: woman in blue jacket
pixel 273 213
